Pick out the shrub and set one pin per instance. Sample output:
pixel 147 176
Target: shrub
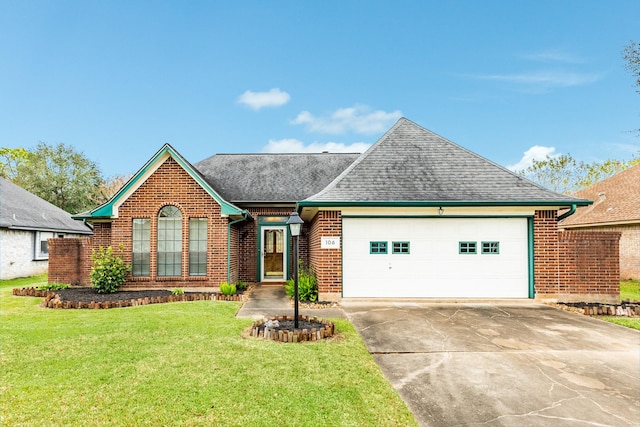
pixel 227 288
pixel 241 286
pixel 109 270
pixel 53 286
pixel 177 291
pixel 307 285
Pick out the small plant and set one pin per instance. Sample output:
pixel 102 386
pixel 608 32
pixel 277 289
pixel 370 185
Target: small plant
pixel 53 286
pixel 307 285
pixel 177 291
pixel 109 270
pixel 227 288
pixel 241 286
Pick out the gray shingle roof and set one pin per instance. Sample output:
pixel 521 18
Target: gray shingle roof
pixel 410 163
pixel 245 178
pixel 22 210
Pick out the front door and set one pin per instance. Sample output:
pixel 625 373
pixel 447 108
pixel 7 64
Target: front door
pixel 274 257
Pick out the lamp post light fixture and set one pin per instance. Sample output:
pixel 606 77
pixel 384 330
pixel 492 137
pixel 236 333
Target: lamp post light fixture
pixel 295 226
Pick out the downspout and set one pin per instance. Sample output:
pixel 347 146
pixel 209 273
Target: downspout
pixel 245 215
pixel 568 214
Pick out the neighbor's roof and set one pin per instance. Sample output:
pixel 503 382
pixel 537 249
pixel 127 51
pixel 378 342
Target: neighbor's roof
pixel 22 210
pixel 247 178
pixel 413 165
pixel 616 200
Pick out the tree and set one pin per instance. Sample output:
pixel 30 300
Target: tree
pixel 61 176
pixel 564 174
pixel 10 159
pixel 631 54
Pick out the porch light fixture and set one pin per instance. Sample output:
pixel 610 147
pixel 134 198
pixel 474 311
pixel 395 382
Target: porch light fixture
pixel 440 211
pixel 295 225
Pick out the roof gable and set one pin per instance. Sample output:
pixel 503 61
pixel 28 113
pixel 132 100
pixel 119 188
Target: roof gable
pixel 110 208
pixel 412 165
pixel 616 200
pixel 272 178
pixel 22 210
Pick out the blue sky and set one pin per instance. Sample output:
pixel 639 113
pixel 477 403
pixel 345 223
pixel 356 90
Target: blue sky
pixel 118 79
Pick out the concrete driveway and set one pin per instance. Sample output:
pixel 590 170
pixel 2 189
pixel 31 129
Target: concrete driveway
pixel 503 364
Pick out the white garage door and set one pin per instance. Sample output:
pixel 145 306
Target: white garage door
pixel 435 257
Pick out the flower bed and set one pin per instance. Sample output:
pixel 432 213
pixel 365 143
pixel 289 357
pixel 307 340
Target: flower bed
pixel 281 328
pixel 87 298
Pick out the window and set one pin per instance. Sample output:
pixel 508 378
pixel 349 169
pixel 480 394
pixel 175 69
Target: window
pixel 169 242
pixel 41 245
pixel 197 246
pixel 400 247
pixel 490 247
pixel 141 246
pixel 377 247
pixel 467 248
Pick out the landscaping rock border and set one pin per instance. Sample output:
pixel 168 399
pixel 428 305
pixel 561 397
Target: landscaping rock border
pixel 624 309
pixel 52 300
pixel 324 329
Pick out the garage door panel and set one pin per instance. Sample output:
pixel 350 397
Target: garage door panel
pixel 434 266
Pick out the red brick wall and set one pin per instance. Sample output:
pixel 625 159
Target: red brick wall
pixel 172 185
pixel 545 252
pixel 70 261
pixel 574 266
pixel 326 263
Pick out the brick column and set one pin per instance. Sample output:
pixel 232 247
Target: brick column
pixel 326 263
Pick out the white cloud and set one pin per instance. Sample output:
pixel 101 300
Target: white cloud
pixel 552 55
pixel 537 152
pixel 257 100
pixel 292 145
pixel 545 79
pixel 358 119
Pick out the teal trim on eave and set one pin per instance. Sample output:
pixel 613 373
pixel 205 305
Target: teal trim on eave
pixel 106 210
pixel 448 203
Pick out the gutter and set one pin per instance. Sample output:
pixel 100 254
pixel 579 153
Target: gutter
pixel 568 214
pixel 245 216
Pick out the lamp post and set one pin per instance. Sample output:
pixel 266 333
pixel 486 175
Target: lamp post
pixel 295 225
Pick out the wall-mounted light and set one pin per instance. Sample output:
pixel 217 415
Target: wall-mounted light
pixel 440 211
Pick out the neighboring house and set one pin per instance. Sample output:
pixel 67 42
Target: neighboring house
pixel 414 216
pixel 26 224
pixel 616 207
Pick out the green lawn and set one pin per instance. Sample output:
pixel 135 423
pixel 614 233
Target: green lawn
pixel 179 364
pixel 630 290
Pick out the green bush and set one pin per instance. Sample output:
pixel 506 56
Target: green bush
pixel 177 291
pixel 53 286
pixel 109 270
pixel 241 286
pixel 227 288
pixel 307 285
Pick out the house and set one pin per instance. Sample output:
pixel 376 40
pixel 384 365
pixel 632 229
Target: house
pixel 616 207
pixel 414 216
pixel 27 222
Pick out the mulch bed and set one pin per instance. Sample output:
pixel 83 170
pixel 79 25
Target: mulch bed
pixel 282 329
pixel 89 298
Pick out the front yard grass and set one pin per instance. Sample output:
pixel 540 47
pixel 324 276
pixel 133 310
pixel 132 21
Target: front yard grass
pixel 629 290
pixel 179 364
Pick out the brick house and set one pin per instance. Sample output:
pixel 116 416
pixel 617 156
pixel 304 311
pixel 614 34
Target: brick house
pixel 414 216
pixel 616 208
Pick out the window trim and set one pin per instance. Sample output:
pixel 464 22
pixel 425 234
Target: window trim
pixel 199 253
pixel 467 247
pixel 488 250
pixel 175 215
pixel 40 238
pixel 401 247
pixel 378 247
pixel 143 241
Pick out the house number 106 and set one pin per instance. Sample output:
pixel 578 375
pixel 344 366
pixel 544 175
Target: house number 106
pixel 330 242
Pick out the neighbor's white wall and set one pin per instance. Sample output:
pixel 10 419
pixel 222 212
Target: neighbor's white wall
pixel 16 255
